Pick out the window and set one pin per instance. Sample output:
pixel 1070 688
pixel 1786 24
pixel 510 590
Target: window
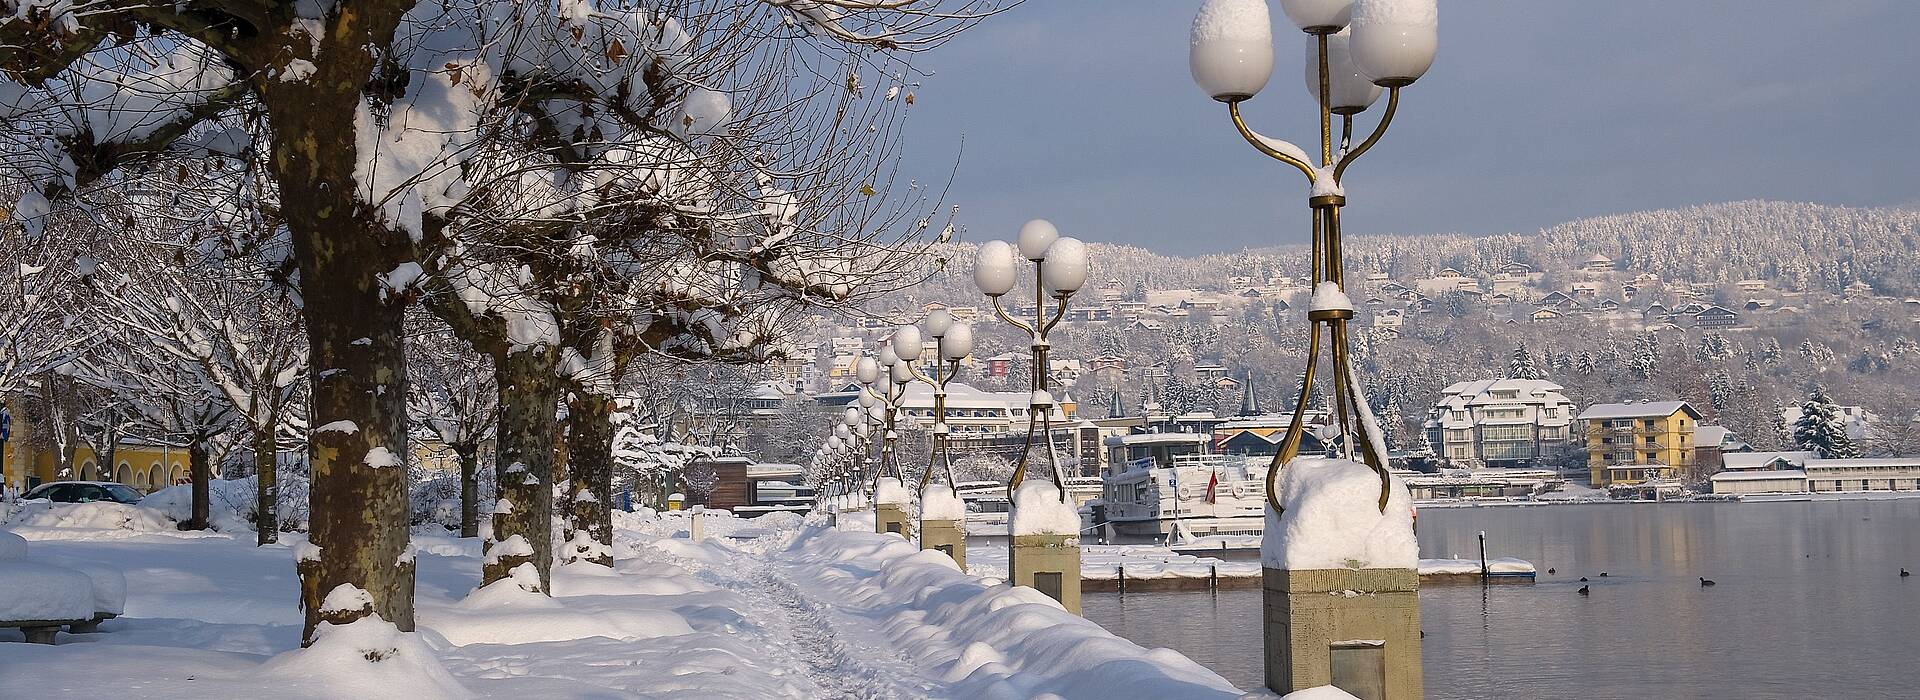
pixel 1551 412
pixel 1506 432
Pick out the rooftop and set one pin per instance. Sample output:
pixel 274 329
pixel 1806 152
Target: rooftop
pixel 1649 409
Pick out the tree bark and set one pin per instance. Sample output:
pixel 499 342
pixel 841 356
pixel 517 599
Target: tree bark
pixel 469 455
pixel 522 517
pixel 357 363
pixel 266 471
pixel 590 451
pixel 200 470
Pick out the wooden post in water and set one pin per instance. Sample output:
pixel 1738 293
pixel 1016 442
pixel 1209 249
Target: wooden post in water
pixel 1483 555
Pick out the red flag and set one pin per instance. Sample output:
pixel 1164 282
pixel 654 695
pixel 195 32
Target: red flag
pixel 1213 485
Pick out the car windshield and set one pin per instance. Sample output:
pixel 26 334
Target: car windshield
pixel 123 494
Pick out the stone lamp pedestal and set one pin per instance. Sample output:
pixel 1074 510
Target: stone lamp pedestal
pixel 946 536
pixel 1049 564
pixel 891 518
pixel 1357 629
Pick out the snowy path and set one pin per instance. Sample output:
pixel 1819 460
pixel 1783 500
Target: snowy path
pixel 798 612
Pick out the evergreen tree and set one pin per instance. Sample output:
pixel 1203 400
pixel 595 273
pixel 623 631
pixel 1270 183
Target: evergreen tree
pixel 1822 430
pixel 1719 390
pixel 1584 363
pixel 1521 365
pixel 1646 355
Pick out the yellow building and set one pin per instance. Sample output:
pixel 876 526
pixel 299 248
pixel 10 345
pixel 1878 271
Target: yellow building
pixel 145 466
pixel 1628 443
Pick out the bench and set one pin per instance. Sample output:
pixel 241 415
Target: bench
pixel 41 631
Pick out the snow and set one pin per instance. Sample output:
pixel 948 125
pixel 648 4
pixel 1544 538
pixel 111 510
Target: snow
pixel 1332 520
pixel 1232 20
pixel 1327 296
pixel 97 515
pixel 1323 692
pixel 1422 13
pixel 109 586
pixel 380 457
pixel 297 70
pixel 890 491
pixel 785 610
pixel 939 502
pixel 1038 510
pixel 12 546
pixel 340 426
pixel 1498 565
pixel 31 590
pixel 346 597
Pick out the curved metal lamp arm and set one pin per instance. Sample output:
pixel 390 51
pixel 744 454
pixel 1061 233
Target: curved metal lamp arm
pixel 1001 311
pixel 1259 142
pixel 1059 312
pixel 1393 104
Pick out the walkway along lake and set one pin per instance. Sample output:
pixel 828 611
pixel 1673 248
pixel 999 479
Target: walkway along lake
pixel 1809 602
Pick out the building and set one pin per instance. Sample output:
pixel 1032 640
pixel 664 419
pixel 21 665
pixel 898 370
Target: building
pixel 1499 422
pixel 1712 444
pixel 1598 264
pixel 1803 472
pixel 1631 442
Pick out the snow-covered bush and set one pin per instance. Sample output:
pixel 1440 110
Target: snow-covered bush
pixel 97 515
pixel 233 504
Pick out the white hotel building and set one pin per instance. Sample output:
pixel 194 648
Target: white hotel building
pixel 1499 422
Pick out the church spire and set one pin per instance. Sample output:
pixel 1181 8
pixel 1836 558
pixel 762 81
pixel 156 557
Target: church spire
pixel 1249 401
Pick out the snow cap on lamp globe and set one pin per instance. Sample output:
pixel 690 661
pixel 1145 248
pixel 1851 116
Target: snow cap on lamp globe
pixel 906 341
pixel 887 356
pixel 1066 267
pixel 1394 40
pixel 851 416
pixel 902 372
pixel 1349 90
pixel 1035 237
pixel 1231 49
pixel 866 370
pixel 938 321
pixel 1318 15
pixel 958 342
pixel 993 268
pixel 842 431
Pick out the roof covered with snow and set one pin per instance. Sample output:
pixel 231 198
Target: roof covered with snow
pixel 1648 409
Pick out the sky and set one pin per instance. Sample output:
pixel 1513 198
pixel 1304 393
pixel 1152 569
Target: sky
pixel 1535 112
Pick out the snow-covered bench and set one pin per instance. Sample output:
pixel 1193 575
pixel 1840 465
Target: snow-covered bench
pixel 39 598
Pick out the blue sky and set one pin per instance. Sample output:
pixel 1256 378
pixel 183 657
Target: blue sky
pixel 1536 112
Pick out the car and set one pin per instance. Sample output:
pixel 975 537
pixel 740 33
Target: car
pixel 85 492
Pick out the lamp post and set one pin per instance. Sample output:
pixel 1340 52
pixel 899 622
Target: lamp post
pixel 942 513
pixel 890 497
pixel 1355 48
pixel 1044 546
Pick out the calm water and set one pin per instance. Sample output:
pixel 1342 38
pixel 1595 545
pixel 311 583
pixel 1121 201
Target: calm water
pixel 1809 603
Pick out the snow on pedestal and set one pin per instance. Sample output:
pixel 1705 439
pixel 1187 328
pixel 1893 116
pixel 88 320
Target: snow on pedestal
pixel 1038 510
pixel 33 591
pixel 1332 520
pixel 939 502
pixel 1324 692
pixel 891 492
pixel 1328 297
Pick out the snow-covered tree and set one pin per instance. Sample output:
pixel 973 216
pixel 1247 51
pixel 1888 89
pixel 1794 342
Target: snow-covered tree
pixel 452 396
pixel 1521 365
pixel 1822 428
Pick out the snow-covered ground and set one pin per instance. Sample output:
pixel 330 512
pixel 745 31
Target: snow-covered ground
pixel 763 608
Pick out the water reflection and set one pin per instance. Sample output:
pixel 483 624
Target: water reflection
pixel 1809 603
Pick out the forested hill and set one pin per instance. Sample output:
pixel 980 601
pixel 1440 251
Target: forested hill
pixel 1795 246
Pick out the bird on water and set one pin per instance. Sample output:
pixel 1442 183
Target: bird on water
pixel 1583 591
pixel 1706 581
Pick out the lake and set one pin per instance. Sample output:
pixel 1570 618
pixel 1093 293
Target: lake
pixel 1809 603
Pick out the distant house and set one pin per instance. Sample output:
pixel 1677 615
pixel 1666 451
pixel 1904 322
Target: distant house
pixel 1857 290
pixel 1389 318
pixel 1716 317
pixel 1751 286
pixel 1546 315
pixel 1597 264
pixel 1556 300
pixel 1631 442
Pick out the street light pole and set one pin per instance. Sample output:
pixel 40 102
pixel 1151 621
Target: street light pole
pixel 1044 542
pixel 942 513
pixel 1354 50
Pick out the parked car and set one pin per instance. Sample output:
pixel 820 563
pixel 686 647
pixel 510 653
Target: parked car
pixel 85 492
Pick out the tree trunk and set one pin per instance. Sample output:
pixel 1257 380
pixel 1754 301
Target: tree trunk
pixel 200 470
pixel 590 464
pixel 469 455
pixel 357 363
pixel 523 515
pixel 266 473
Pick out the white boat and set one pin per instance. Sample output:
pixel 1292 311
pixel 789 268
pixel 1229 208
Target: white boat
pixel 1171 484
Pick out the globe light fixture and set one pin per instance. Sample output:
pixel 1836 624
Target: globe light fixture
pixel 866 370
pixel 1066 265
pixel 1350 91
pixel 993 268
pixel 906 343
pixel 937 322
pixel 957 343
pixel 1231 49
pixel 1037 238
pixel 1318 16
pixel 1394 41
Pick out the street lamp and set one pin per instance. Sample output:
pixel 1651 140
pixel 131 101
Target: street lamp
pixel 890 497
pixel 942 513
pixel 1044 547
pixel 1354 49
